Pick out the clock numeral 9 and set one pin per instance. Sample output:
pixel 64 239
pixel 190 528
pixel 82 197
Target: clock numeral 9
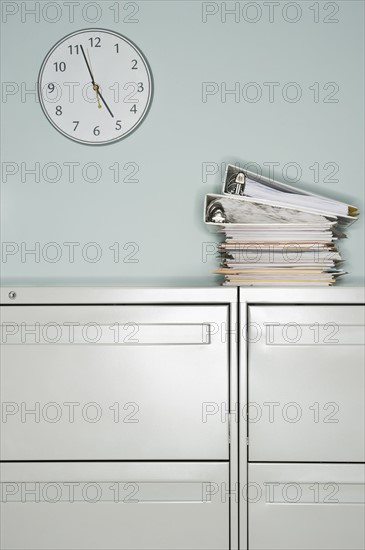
pixel 60 66
pixel 134 64
pixel 95 42
pixel 96 131
pixel 51 87
pixel 118 125
pixel 58 110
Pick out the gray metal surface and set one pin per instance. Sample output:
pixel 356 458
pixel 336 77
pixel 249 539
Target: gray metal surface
pixel 306 389
pixel 117 295
pixel 115 506
pixel 127 383
pixel 299 526
pixel 309 523
pixel 297 295
pixel 307 507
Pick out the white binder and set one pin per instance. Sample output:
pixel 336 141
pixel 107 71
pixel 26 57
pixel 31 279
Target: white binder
pixel 243 183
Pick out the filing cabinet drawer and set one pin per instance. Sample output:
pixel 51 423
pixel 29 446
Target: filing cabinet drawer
pixel 306 507
pixel 113 382
pixel 306 383
pixel 114 506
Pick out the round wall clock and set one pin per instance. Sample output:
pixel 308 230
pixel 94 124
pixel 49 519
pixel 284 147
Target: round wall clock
pixel 95 86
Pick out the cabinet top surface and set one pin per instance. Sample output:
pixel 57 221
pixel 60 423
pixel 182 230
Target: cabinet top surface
pixel 303 295
pixel 116 295
pixel 179 295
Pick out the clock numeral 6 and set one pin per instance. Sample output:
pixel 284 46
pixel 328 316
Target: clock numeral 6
pixel 118 125
pixel 60 66
pixel 96 131
pixel 58 110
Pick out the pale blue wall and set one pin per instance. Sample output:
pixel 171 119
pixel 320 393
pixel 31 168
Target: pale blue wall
pixel 182 132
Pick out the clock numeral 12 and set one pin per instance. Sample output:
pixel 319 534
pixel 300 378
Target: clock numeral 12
pixel 95 42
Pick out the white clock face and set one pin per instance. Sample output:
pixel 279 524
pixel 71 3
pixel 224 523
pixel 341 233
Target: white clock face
pixel 95 86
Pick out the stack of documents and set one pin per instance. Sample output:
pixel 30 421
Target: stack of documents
pixel 272 244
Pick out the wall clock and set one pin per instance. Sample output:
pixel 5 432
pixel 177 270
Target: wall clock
pixel 95 86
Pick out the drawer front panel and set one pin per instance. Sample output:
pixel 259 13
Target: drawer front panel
pixel 123 382
pixel 114 506
pixel 306 385
pixel 306 507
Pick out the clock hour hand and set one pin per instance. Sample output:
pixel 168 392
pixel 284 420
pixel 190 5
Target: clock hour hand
pixel 105 103
pixel 96 90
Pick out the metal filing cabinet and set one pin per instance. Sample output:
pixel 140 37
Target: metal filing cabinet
pixel 139 465
pixel 105 440
pixel 304 393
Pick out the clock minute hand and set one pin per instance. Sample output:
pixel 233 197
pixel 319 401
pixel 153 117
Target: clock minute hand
pixel 88 66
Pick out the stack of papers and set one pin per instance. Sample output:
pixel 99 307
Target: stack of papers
pixel 270 245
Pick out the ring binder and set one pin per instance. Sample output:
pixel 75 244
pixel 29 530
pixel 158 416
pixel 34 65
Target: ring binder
pixel 243 183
